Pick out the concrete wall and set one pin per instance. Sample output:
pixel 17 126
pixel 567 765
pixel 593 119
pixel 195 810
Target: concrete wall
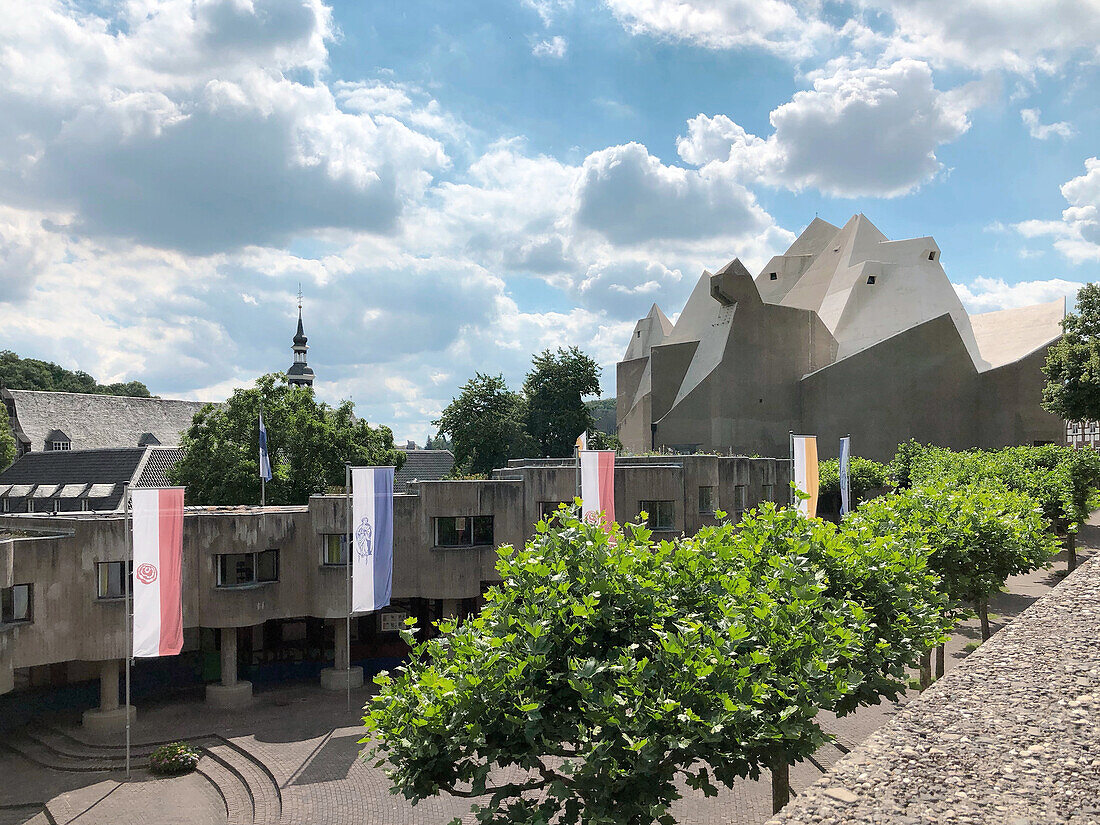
pixel 71 625
pixel 1004 420
pixel 920 384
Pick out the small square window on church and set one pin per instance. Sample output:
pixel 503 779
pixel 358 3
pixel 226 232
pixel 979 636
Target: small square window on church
pixel 774 276
pixel 932 256
pixel 870 279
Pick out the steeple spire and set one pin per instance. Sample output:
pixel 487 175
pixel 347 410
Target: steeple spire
pixel 299 373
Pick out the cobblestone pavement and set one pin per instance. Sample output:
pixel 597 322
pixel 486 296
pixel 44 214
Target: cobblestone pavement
pixel 308 740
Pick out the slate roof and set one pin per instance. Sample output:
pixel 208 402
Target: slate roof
pixel 95 421
pixel 420 465
pixel 96 475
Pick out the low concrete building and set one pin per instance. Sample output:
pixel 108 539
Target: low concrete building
pixel 265 590
pixel 847 332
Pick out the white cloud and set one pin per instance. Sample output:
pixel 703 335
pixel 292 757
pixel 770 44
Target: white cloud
pixel 785 28
pixel 548 10
pixel 1077 234
pixel 859 132
pixel 1042 131
pixel 555 47
pixel 1020 36
pixel 986 294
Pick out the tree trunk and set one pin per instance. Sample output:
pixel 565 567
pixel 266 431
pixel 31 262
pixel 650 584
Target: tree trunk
pixel 983 614
pixel 781 785
pixel 940 656
pixel 926 669
pixel 1071 551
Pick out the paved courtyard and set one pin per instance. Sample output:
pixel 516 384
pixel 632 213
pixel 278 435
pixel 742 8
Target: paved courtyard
pixel 292 758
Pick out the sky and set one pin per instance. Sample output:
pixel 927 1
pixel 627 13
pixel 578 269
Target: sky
pixel 459 185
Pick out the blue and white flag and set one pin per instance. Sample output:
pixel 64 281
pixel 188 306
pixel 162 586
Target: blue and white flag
pixel 372 537
pixel 265 459
pixel 845 493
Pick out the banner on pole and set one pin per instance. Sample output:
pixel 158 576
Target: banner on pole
pixel 845 490
pixel 598 484
pixel 804 453
pixel 157 516
pixel 372 538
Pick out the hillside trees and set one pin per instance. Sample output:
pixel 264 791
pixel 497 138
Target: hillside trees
pixel 32 374
pixel 309 443
pixel 606 665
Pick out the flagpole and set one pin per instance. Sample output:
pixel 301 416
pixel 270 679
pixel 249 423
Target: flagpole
pixel 128 578
pixel 848 474
pixel 347 593
pixel 790 489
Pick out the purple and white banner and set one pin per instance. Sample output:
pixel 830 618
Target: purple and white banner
pixel 371 538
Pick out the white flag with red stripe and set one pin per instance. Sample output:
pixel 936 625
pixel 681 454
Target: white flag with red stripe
pixel 157 516
pixel 598 484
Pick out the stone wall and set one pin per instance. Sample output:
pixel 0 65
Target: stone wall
pixel 1010 736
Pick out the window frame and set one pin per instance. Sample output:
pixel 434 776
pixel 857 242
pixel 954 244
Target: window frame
pixel 326 548
pixel 711 505
pixel 126 583
pixel 654 521
pixel 255 581
pixel 7 603
pixel 471 531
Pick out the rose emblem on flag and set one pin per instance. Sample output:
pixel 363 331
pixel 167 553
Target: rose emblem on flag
pixel 146 573
pixel 364 538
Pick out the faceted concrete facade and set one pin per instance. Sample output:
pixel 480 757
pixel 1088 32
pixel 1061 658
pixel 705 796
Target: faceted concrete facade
pixel 847 332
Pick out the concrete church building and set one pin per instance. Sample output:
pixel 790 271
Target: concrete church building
pixel 846 332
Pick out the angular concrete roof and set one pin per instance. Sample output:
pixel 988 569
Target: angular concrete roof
pixel 1011 334
pixel 649 332
pixel 94 421
pixel 865 287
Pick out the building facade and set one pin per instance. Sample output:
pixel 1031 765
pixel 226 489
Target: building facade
pixel 847 332
pixel 264 590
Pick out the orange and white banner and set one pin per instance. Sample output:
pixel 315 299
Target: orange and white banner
pixel 804 453
pixel 598 484
pixel 157 516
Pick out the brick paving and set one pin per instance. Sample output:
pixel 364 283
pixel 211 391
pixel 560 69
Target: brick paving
pixel 305 768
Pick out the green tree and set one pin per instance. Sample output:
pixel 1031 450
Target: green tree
pixel 309 443
pixel 1072 367
pixel 485 425
pixel 606 666
pixel 554 389
pixel 7 446
pixel 978 535
pixel 31 374
pixel 864 476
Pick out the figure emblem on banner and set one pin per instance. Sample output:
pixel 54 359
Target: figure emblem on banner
pixel 364 538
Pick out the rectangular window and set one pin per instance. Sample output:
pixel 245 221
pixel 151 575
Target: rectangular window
pixel 334 550
pixel 662 514
pixel 871 279
pixel 707 504
pixel 110 581
pixel 463 531
pixel 15 604
pixel 773 276
pixel 61 445
pixel 243 569
pixel 740 497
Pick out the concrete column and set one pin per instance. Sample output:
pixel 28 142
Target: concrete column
pixel 336 678
pixel 229 655
pixel 231 692
pixel 109 719
pixel 108 684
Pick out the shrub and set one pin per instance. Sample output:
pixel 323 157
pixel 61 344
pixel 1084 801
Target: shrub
pixel 174 759
pixel 606 665
pixel 864 475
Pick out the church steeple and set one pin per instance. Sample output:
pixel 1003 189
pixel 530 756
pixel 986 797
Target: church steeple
pixel 299 373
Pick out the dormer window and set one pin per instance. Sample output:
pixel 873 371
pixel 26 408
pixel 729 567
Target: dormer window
pixel 58 440
pixel 60 445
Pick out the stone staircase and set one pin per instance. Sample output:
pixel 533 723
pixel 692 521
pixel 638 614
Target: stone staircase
pixel 246 786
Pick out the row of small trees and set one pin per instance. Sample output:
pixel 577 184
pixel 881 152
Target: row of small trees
pixel 606 666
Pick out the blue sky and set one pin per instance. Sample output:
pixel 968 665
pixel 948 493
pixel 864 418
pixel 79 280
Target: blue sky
pixel 459 185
